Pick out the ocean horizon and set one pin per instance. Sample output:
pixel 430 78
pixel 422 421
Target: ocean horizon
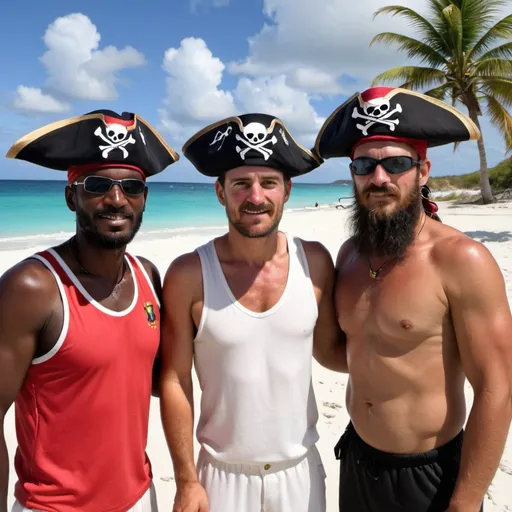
pixel 34 211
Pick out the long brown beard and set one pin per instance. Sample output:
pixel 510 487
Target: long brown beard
pixel 390 235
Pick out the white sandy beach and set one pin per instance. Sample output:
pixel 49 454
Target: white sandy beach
pixel 489 224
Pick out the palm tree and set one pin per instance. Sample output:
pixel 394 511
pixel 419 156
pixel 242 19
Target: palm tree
pixel 465 58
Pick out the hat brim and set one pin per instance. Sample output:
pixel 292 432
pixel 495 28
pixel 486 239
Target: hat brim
pixel 79 141
pixel 222 146
pixel 416 116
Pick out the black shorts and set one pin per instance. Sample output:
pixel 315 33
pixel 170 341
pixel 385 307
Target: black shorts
pixel 375 481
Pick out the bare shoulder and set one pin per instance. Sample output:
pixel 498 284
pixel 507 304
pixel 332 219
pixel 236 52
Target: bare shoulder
pixel 149 266
pixel 316 253
pixel 28 276
pixel 184 273
pixel 346 252
pixel 461 260
pixel 320 264
pixel 29 287
pixel 152 270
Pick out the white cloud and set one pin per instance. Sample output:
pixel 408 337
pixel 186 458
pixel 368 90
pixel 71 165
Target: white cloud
pixel 274 96
pixel 326 38
pixel 193 93
pixel 195 96
pixel 32 99
pixel 77 68
pixel 314 80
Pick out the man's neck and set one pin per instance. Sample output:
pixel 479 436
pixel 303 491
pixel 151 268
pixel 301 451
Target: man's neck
pixel 95 260
pixel 255 251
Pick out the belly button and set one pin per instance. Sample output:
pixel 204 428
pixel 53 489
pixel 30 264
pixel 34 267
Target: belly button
pixel 406 324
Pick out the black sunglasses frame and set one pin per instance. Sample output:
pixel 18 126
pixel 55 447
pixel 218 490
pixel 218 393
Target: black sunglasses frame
pixel 112 182
pixel 382 161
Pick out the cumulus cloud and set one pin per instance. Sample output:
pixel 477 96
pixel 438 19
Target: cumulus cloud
pixel 314 43
pixel 194 96
pixel 32 99
pixel 76 66
pixel 273 95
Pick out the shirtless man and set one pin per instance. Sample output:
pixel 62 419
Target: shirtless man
pixel 249 309
pixel 80 327
pixel 423 306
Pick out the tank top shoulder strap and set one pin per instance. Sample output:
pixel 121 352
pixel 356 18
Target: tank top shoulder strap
pixel 299 278
pixel 50 260
pixel 301 254
pixel 216 292
pixel 210 271
pixel 142 276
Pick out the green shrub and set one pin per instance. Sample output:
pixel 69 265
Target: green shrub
pixel 500 178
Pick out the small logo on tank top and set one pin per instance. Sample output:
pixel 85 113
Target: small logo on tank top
pixel 150 313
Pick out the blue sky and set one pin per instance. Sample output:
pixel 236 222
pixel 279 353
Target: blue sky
pixel 187 63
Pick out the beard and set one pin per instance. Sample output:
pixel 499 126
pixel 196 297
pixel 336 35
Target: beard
pixel 385 234
pixel 256 231
pixel 111 240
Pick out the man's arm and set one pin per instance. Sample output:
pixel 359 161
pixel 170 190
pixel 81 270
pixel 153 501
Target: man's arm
pixel 329 347
pixel 182 285
pixel 483 328
pixel 154 275
pixel 27 294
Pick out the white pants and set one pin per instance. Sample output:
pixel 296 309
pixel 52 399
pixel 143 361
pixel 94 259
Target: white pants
pixel 146 504
pixel 295 486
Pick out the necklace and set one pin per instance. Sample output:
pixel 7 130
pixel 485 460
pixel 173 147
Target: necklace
pixel 116 290
pixel 375 273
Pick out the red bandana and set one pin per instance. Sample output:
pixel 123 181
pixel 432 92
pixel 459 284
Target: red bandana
pixel 75 171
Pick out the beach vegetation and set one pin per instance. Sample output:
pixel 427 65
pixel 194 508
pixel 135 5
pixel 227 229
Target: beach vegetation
pixel 464 54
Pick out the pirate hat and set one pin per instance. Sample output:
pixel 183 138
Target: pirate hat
pixel 386 113
pixel 248 139
pixel 101 138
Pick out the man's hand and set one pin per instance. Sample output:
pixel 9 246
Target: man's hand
pixel 191 497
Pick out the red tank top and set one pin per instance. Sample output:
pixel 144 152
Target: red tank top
pixel 83 411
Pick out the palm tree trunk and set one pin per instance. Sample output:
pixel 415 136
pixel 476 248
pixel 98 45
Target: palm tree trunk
pixel 485 185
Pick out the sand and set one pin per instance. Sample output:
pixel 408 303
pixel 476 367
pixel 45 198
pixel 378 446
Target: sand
pixel 488 224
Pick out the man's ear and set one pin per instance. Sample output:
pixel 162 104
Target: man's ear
pixel 425 171
pixel 70 195
pixel 219 190
pixel 287 189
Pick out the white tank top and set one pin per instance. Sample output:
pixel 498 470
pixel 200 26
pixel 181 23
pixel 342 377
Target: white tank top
pixel 258 403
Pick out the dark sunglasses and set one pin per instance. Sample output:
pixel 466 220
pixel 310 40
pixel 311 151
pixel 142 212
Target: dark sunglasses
pixel 393 164
pixel 101 185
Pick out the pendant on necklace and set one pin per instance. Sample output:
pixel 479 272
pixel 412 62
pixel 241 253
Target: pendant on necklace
pixel 373 274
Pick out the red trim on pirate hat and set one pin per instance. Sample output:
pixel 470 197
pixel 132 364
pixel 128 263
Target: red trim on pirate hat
pixel 75 171
pixel 420 146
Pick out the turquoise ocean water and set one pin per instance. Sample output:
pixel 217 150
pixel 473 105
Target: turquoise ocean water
pixel 31 210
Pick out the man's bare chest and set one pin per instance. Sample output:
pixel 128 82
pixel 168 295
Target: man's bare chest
pixel 404 306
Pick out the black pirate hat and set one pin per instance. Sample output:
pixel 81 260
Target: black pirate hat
pixel 385 113
pixel 248 139
pixel 99 138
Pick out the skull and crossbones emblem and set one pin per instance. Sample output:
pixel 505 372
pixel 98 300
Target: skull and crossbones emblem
pixel 255 136
pixel 116 137
pixel 377 111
